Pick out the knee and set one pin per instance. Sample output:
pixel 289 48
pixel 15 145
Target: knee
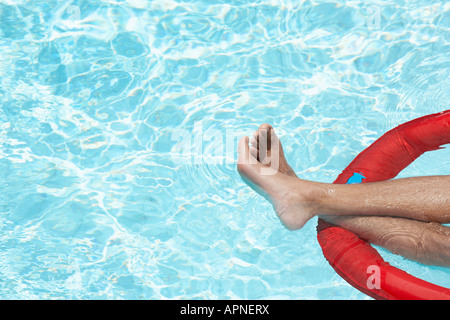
pixel 421 246
pixel 440 246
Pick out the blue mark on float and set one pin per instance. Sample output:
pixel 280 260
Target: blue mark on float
pixel 356 178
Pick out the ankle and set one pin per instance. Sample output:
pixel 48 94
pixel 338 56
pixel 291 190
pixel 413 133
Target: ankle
pixel 312 194
pixel 323 195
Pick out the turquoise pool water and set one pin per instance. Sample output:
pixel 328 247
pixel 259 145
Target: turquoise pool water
pixel 118 129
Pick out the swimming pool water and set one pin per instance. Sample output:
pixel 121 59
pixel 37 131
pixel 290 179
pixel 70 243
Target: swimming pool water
pixel 119 122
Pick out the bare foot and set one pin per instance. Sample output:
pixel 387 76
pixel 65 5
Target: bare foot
pixel 267 149
pixel 264 167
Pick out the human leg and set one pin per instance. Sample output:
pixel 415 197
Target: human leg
pixel 425 242
pixel 296 201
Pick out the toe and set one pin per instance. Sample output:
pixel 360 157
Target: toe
pixel 245 157
pixel 255 138
pixel 265 132
pixel 247 164
pixel 243 150
pixel 254 152
pixel 254 142
pixel 265 126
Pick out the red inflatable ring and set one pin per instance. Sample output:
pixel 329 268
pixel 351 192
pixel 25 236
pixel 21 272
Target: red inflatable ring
pixel 353 258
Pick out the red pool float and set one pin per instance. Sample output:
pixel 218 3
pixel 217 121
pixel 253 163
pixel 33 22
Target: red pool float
pixel 353 258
